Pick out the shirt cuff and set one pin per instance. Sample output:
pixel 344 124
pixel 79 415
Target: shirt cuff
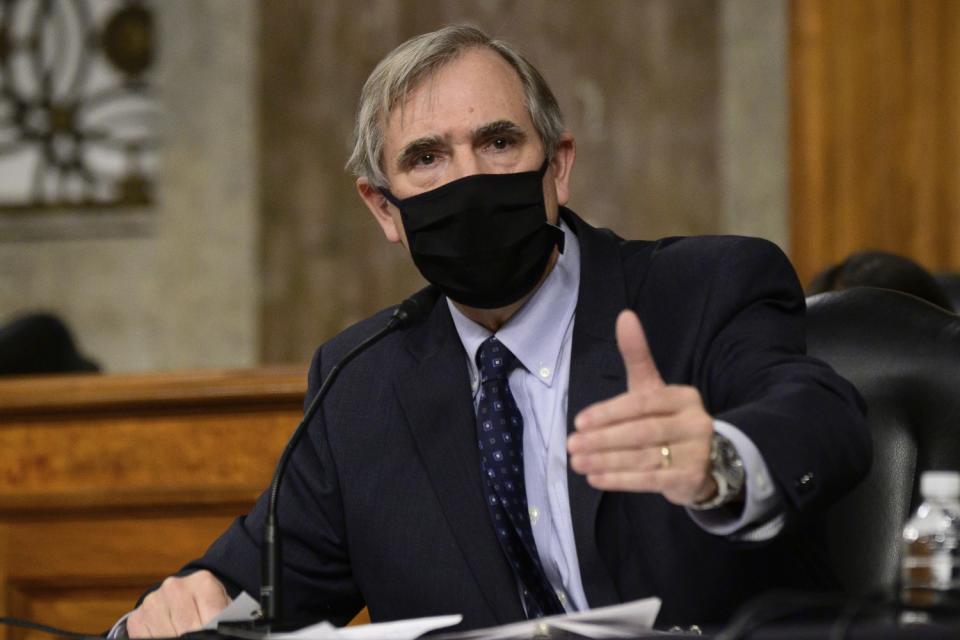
pixel 119 630
pixel 761 515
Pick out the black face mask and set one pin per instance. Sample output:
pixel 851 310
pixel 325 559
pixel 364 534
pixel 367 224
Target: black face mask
pixel 483 240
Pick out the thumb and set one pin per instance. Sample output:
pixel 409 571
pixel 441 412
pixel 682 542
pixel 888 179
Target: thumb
pixel 642 373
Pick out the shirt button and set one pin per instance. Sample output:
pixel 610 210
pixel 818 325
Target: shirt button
pixel 534 515
pixel 544 372
pixel 561 596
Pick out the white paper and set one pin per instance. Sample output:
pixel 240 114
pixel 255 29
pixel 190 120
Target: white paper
pixel 245 608
pixel 627 620
pixel 322 629
pixel 241 609
pixel 592 630
pixel 396 630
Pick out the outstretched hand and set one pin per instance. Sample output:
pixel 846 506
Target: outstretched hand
pixel 654 437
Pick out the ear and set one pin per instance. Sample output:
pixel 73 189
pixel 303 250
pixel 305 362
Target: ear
pixel 561 166
pixel 383 212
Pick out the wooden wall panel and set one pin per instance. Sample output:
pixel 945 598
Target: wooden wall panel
pixel 110 483
pixel 81 572
pixel 875 130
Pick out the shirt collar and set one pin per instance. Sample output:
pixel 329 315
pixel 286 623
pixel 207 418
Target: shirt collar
pixel 536 331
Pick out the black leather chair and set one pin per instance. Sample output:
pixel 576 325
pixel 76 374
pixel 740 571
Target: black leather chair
pixel 950 283
pixel 903 354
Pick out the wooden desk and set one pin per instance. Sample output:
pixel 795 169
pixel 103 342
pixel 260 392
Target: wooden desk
pixel 109 483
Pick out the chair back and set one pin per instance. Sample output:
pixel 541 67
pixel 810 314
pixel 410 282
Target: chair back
pixel 950 283
pixel 903 355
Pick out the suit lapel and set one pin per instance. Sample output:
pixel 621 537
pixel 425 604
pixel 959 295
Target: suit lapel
pixel 596 373
pixel 437 402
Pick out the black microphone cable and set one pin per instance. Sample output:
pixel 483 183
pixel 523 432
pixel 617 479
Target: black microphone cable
pixel 407 313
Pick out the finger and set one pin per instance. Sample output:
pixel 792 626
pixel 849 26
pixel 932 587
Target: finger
pixel 209 595
pixel 137 626
pixel 151 619
pixel 148 632
pixel 650 481
pixel 687 425
pixel 690 454
pixel 181 607
pixel 642 372
pixel 634 434
pixel 679 486
pixel 157 617
pixel 638 404
pixel 616 460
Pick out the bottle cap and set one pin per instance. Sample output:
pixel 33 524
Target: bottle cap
pixel 940 484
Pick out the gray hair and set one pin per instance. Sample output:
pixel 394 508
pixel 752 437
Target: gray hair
pixel 415 60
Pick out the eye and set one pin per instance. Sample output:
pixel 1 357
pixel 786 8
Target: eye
pixel 426 159
pixel 500 143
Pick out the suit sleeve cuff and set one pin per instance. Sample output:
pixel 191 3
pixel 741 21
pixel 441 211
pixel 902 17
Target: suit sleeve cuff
pixel 760 517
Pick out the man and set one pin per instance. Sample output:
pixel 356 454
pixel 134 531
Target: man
pixel 528 447
pixel 884 270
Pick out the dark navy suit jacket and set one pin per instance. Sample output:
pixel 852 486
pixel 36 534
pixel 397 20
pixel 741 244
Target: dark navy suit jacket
pixel 382 504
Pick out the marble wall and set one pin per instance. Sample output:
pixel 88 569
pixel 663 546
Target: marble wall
pixel 178 286
pixel 753 133
pixel 258 248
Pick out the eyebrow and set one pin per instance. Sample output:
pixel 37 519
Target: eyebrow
pixel 499 127
pixel 417 147
pixel 484 132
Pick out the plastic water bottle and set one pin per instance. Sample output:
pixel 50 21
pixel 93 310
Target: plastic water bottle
pixel 930 568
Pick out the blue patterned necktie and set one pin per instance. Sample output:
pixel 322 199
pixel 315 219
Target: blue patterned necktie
pixel 500 435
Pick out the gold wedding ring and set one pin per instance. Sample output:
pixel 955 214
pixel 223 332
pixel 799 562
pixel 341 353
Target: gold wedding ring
pixel 665 458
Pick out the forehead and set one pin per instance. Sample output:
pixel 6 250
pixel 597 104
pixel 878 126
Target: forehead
pixel 475 88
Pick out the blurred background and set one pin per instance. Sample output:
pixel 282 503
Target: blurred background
pixel 171 172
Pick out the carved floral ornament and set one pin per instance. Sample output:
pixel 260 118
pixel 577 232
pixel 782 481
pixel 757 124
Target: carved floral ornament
pixel 78 124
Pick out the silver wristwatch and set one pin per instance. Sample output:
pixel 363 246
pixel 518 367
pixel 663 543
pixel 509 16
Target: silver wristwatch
pixel 726 467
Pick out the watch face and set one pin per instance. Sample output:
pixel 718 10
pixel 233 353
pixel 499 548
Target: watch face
pixel 730 455
pixel 729 464
pixel 727 470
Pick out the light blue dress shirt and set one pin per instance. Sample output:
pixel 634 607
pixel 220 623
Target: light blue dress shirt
pixel 540 336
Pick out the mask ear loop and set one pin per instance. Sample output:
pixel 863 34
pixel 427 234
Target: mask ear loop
pixel 392 199
pixel 559 236
pixel 544 166
pixel 555 229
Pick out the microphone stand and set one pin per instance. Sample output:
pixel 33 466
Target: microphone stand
pixel 406 314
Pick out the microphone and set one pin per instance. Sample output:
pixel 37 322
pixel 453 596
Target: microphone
pixel 406 314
